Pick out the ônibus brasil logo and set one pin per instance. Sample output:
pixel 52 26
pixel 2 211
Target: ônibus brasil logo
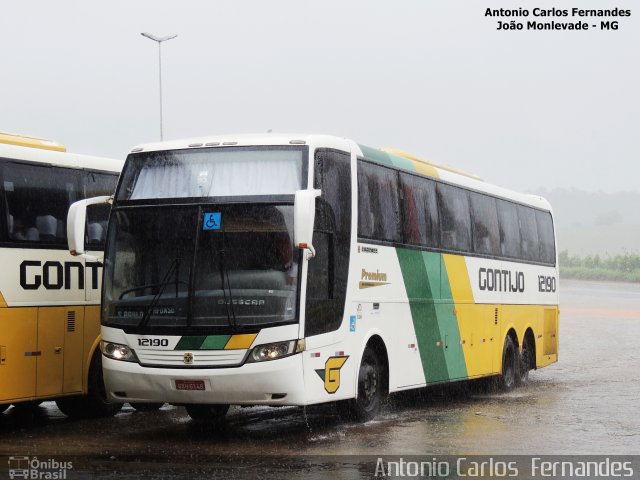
pixel 33 468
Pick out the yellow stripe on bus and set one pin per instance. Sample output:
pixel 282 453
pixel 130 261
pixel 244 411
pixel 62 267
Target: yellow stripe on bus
pixel 237 342
pixel 425 169
pixel 475 322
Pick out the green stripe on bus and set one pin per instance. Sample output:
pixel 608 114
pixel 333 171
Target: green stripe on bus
pixel 450 329
pixel 388 159
pixel 376 155
pixel 190 343
pixel 436 326
pixel 423 314
pixel 203 342
pixel 215 342
pixel 401 162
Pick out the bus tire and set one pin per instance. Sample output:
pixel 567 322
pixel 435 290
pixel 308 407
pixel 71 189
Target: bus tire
pixel 209 414
pixel 146 407
pixel 71 406
pixel 524 365
pixel 27 406
pixel 508 378
pixel 371 390
pixel 95 403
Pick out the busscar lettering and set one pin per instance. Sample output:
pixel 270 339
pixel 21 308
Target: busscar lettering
pixel 497 280
pixel 241 301
pixel 53 275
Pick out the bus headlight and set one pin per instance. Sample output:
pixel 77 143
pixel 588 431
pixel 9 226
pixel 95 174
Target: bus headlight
pixel 273 351
pixel 118 352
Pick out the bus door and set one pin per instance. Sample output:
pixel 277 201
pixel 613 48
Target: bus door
pixel 18 344
pixel 50 355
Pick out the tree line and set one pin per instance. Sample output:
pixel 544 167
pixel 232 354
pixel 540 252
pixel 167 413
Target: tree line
pixel 623 268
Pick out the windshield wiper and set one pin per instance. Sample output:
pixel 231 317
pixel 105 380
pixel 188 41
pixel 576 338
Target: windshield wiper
pixel 175 264
pixel 223 273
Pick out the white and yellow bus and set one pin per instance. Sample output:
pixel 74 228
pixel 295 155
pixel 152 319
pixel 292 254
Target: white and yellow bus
pixel 49 301
pixel 296 270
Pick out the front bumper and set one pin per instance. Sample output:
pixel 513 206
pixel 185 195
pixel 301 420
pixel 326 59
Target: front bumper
pixel 276 382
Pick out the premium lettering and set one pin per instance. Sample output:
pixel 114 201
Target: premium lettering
pixel 374 276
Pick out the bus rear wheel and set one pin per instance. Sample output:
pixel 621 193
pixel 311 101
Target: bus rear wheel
pixel 371 390
pixel 146 407
pixel 510 373
pixel 210 414
pixel 526 357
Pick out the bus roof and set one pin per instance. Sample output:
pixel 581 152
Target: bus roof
pixel 30 141
pixel 59 158
pixel 443 172
pixel 395 151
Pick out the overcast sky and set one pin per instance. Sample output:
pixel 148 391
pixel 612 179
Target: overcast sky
pixel 431 77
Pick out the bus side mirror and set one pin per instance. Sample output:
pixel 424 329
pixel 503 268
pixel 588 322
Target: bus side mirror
pixel 76 221
pixel 304 214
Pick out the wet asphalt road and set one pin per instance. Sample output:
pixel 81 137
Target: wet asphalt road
pixel 585 404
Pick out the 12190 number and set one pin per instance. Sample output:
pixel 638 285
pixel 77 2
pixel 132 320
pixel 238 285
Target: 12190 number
pixel 153 342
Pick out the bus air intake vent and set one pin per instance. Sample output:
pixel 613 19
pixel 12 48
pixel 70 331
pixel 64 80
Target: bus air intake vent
pixel 71 321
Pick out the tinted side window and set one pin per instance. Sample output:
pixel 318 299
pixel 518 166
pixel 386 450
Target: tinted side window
pixel 378 210
pixel 529 234
pixel 37 199
pixel 420 210
pixel 545 234
pixel 509 229
pixel 455 222
pixel 484 213
pixel 97 184
pixel 328 270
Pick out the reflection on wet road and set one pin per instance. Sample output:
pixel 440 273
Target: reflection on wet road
pixel 585 404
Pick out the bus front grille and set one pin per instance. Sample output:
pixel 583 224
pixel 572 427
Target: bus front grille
pixel 195 358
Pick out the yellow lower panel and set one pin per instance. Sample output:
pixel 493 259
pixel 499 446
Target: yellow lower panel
pixel 478 334
pixel 51 327
pixel 18 337
pixel 74 356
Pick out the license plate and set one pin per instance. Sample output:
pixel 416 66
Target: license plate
pixel 189 384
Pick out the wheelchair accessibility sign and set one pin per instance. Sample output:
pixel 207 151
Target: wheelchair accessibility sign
pixel 212 221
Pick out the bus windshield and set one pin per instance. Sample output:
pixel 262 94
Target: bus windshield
pixel 212 172
pixel 225 266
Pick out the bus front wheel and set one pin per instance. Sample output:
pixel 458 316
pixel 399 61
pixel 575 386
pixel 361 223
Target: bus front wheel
pixel 509 375
pixel 95 402
pixel 146 407
pixel 207 413
pixel 371 389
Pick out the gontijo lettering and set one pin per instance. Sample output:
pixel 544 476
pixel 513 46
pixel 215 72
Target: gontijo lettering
pixel 54 275
pixel 496 280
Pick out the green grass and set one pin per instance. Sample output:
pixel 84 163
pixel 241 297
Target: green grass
pixel 620 268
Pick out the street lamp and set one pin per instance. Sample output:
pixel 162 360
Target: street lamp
pixel 159 40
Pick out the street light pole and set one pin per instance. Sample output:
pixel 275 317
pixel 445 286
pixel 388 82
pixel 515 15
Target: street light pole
pixel 159 40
